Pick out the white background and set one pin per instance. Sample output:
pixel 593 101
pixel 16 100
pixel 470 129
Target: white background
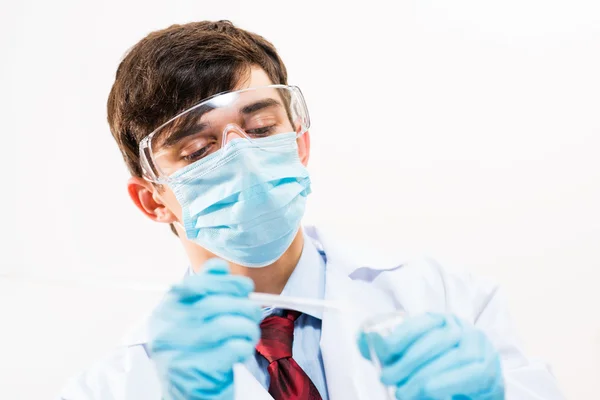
pixel 465 129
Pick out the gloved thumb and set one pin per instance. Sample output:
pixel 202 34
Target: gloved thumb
pixel 363 346
pixel 214 277
pixel 371 342
pixel 216 266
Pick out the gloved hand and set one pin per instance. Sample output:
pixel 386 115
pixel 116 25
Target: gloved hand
pixel 436 356
pixel 202 328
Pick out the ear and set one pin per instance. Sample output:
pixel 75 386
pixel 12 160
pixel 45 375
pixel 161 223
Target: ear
pixel 146 198
pixel 304 147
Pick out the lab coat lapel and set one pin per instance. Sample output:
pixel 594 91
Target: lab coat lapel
pixel 246 385
pixel 349 376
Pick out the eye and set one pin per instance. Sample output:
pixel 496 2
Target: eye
pixel 197 149
pixel 197 155
pixel 262 131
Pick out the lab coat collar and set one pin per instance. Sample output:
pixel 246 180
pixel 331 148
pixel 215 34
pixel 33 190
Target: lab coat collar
pixel 350 254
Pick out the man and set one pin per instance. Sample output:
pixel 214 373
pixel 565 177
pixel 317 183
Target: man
pixel 217 144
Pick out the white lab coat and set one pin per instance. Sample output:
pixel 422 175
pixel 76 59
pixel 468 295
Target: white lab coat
pixel 368 284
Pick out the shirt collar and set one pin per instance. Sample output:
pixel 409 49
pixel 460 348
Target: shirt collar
pixel 308 278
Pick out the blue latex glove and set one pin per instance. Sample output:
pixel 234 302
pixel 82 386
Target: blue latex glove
pixel 202 328
pixel 436 356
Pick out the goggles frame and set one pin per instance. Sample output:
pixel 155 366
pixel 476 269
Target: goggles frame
pixel 151 170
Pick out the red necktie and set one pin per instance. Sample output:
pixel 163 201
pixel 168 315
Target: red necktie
pixel 288 380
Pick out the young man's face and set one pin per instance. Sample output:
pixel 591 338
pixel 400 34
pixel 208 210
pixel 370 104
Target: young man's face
pixel 161 204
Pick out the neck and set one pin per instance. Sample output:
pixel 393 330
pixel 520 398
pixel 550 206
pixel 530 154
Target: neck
pixel 269 279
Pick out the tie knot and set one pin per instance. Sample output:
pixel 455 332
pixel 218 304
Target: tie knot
pixel 277 336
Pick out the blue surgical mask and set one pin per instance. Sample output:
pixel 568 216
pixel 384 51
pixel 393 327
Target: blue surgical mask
pixel 244 203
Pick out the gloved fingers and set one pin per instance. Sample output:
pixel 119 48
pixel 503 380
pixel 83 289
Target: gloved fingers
pixel 195 287
pixel 231 352
pixel 174 388
pixel 188 375
pixel 416 326
pixel 477 346
pixel 201 335
pixel 227 393
pixel 426 348
pixel 468 352
pixel 190 387
pixel 483 382
pixel 215 305
pixel 185 376
pixel 388 349
pixel 227 327
pixel 207 308
pixel 413 386
pixel 363 346
pixel 178 382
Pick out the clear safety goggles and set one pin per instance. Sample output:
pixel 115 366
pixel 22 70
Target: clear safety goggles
pixel 247 114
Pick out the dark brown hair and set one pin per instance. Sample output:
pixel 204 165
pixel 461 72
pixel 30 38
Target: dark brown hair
pixel 172 69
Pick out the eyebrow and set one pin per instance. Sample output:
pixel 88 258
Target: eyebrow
pixel 197 128
pixel 259 105
pixel 189 127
